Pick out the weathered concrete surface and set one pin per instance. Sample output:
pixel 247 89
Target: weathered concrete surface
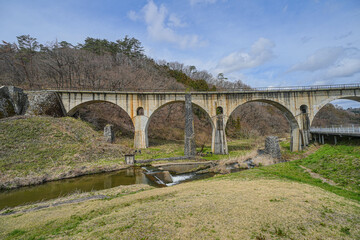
pixel 13 101
pixel 272 147
pixel 189 148
pixel 45 103
pixel 109 133
pixel 130 159
pixel 220 143
pixel 164 176
pixel 287 101
pixel 141 134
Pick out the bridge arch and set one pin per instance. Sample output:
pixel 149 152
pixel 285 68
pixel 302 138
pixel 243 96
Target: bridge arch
pixel 76 108
pixel 319 106
pixel 73 110
pixel 296 137
pixel 153 113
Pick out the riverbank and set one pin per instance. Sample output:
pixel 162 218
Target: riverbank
pixel 34 150
pixel 280 201
pixel 253 204
pixel 40 149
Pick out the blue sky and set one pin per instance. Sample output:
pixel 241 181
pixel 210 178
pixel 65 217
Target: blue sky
pixel 261 42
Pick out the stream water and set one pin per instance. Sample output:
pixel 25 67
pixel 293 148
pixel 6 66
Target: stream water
pixel 55 189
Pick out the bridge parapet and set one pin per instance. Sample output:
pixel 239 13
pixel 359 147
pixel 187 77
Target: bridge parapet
pixel 353 130
pixel 229 90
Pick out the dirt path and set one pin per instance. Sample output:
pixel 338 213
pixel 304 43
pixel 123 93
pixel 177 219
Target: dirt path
pixel 318 176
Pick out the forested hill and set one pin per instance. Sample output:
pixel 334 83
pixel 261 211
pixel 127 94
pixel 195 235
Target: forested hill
pixel 97 64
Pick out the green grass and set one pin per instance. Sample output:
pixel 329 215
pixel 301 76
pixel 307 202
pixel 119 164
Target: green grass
pixel 236 147
pixel 45 146
pixel 162 149
pixel 338 163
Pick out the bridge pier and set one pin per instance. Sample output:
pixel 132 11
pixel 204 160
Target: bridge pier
pixel 141 135
pixel 190 147
pixel 219 144
pixel 295 140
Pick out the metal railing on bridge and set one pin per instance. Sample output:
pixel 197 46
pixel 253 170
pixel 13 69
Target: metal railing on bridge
pixel 246 89
pixel 353 130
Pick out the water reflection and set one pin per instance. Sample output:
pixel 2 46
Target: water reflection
pixel 64 187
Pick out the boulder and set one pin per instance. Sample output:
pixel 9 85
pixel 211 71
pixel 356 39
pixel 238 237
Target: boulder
pixel 44 103
pixel 13 101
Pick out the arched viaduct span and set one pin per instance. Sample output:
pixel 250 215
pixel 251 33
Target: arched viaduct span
pixel 299 105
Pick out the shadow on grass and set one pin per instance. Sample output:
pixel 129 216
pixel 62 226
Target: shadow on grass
pixel 158 142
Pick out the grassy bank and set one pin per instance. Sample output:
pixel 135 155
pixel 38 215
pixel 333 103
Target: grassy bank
pixel 340 164
pixel 237 206
pixel 38 149
pixel 280 201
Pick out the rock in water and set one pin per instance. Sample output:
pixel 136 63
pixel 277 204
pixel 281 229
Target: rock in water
pixel 272 147
pixel 109 133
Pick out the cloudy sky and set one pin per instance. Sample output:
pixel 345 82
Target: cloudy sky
pixel 261 42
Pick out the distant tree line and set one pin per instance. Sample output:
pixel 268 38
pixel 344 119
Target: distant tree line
pixel 97 64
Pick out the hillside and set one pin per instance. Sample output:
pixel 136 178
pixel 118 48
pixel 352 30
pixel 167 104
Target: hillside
pixel 335 115
pixel 38 149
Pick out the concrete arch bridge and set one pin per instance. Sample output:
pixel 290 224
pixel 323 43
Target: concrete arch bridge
pixel 298 104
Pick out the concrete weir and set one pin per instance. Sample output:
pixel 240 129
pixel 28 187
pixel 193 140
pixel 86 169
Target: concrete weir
pixel 299 105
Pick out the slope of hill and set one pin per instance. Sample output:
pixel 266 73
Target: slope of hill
pixel 334 115
pixel 38 149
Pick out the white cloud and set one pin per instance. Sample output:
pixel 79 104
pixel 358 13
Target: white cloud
pixel 260 53
pixel 159 26
pixel 331 63
pixel 347 67
pixel 133 15
pixel 320 59
pixel 194 2
pixel 174 21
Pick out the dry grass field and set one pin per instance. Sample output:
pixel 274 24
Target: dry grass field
pixel 235 206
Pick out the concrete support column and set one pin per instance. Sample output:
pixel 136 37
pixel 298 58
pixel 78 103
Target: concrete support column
pixel 141 135
pixel 190 147
pixel 319 138
pixel 335 140
pixel 219 144
pixel 306 137
pixel 315 138
pixel 322 139
pixel 295 141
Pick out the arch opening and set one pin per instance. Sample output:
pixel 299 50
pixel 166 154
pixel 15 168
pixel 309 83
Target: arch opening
pixel 140 111
pixel 219 111
pixel 259 118
pixel 343 111
pixel 168 121
pixel 304 109
pixel 101 113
